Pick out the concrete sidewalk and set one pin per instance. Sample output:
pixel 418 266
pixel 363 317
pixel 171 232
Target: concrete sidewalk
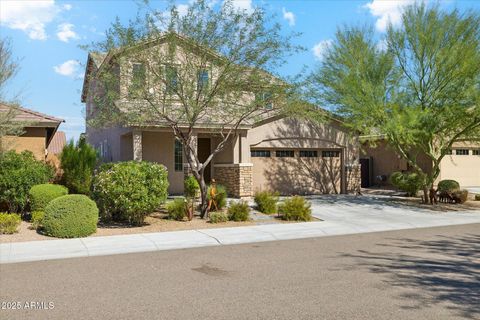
pixel 97 246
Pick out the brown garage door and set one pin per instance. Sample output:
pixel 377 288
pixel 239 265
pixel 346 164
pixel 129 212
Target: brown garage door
pixel 305 171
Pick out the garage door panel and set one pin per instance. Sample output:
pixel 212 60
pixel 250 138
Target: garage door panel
pixel 464 169
pixel 294 175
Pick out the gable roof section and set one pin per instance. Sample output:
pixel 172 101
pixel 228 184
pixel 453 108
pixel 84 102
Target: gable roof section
pixel 32 118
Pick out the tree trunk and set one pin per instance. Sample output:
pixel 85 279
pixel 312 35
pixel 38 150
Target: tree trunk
pixel 425 194
pixel 203 196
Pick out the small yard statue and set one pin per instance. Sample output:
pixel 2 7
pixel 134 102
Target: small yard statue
pixel 213 196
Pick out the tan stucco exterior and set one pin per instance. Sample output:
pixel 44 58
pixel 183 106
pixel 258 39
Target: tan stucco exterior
pixel 463 168
pixel 34 140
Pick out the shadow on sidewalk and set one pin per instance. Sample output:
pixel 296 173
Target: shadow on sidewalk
pixel 444 270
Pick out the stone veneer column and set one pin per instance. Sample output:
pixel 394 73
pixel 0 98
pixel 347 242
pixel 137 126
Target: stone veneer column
pixel 353 178
pixel 137 145
pixel 237 178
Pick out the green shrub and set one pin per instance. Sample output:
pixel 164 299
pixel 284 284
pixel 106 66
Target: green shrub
pixel 477 197
pixel 448 186
pixel 191 187
pixel 18 173
pixel 78 162
pixel 70 216
pixel 218 217
pixel 177 209
pixel 238 211
pixel 37 219
pixel 9 223
pixel 221 198
pixel 296 209
pixel 460 196
pixel 266 201
pixel 129 191
pixel 41 194
pixel 410 182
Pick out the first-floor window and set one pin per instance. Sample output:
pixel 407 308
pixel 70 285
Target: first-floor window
pixel 449 152
pixel 178 156
pixel 308 153
pixel 260 153
pixel 461 152
pixel 476 152
pixel 330 154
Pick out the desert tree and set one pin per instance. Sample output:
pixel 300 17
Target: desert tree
pixel 418 87
pixel 8 69
pixel 212 67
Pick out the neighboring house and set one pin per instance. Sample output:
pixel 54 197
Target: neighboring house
pixel 461 165
pixel 276 153
pixel 39 130
pixel 57 143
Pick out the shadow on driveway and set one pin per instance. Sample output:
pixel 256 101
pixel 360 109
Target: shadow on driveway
pixel 444 270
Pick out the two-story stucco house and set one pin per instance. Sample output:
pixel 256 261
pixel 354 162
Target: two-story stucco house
pixel 277 153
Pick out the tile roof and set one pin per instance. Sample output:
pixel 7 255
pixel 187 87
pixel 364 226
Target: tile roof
pixel 57 143
pixel 30 116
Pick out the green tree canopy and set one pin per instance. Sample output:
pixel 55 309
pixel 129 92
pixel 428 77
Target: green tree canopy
pixel 418 87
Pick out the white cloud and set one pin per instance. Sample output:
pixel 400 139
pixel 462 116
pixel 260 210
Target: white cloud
pixel 244 5
pixel 289 16
pixel 387 12
pixel 29 16
pixel 320 48
pixel 68 68
pixel 65 32
pixel 182 9
pixel 67 6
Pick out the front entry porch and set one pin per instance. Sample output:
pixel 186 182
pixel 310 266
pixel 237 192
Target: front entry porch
pixel 231 167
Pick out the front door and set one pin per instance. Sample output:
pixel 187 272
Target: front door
pixel 203 151
pixel 365 172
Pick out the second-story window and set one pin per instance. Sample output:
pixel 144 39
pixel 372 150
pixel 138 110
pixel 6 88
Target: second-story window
pixel 138 80
pixel 171 79
pixel 265 98
pixel 202 80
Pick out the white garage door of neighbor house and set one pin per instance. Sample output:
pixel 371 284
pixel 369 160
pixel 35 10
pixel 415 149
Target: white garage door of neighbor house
pixel 464 168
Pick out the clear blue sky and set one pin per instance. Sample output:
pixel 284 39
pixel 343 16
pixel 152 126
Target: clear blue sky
pixel 45 35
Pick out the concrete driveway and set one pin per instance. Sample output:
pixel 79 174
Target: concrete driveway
pixel 379 213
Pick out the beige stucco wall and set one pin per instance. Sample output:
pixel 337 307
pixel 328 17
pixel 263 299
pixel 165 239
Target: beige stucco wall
pixel 34 140
pixel 301 175
pixel 159 147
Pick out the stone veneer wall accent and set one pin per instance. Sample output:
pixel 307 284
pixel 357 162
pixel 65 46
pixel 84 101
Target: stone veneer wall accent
pixel 237 178
pixel 354 179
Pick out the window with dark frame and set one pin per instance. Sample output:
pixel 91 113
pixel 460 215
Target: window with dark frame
pixel 260 153
pixel 476 152
pixel 449 152
pixel 171 78
pixel 330 154
pixel 284 154
pixel 178 156
pixel 202 79
pixel 308 153
pixel 462 152
pixel 138 79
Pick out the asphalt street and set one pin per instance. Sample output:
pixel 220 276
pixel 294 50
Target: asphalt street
pixel 429 273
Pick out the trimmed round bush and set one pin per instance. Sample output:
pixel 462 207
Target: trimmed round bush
pixel 41 194
pixel 177 209
pixel 266 201
pixel 9 223
pixel 460 196
pixel 221 198
pixel 129 191
pixel 218 217
pixel 448 186
pixel 18 173
pixel 238 211
pixel 295 209
pixel 70 216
